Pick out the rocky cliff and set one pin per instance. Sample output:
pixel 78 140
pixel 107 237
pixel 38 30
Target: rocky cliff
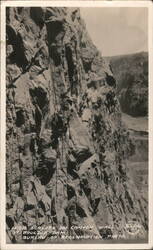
pixel 66 144
pixel 131 73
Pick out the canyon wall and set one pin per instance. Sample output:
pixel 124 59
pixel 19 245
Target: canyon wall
pixel 131 73
pixel 66 146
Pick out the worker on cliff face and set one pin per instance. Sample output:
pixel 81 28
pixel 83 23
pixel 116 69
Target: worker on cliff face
pixel 97 172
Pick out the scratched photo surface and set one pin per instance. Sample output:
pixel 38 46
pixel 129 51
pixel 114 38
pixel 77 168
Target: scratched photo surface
pixel 76 125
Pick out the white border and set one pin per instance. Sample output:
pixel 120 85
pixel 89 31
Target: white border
pixel 76 246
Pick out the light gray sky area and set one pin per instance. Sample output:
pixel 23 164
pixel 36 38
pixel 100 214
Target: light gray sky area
pixel 117 31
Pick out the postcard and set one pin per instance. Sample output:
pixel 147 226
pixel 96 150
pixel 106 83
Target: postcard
pixel 76 125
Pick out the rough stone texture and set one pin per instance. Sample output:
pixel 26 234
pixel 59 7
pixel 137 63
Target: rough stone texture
pixel 66 145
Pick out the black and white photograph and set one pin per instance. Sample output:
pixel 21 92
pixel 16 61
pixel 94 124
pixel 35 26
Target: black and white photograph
pixel 77 124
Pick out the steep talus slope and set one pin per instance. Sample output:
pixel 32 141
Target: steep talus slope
pixel 131 73
pixel 65 139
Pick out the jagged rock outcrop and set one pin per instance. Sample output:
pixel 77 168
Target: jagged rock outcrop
pixel 66 144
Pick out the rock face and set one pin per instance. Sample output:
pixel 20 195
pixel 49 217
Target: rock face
pixel 66 144
pixel 131 73
pixel 138 161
